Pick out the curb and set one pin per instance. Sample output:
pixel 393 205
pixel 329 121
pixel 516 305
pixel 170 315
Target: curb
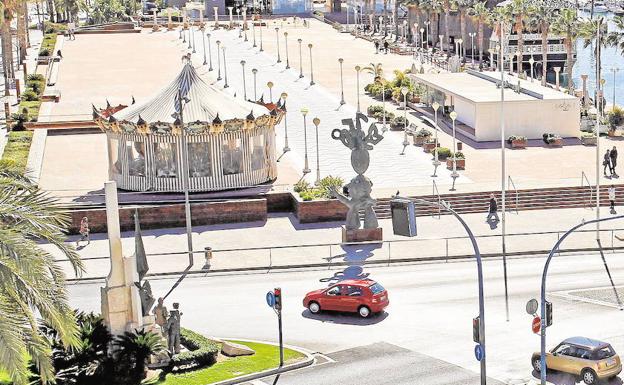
pixel 269 372
pixel 386 262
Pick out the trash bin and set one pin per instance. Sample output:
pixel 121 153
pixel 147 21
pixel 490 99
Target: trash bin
pixel 208 257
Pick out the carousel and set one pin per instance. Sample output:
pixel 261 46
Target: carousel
pixel 191 132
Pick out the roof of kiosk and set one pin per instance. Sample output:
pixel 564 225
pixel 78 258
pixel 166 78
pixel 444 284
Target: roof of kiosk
pixel 205 102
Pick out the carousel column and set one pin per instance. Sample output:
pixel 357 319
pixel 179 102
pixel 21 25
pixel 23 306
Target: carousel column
pixel 557 80
pixel 216 16
pixel 231 16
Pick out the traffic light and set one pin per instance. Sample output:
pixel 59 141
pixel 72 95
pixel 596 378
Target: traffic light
pixel 476 329
pixel 403 217
pixel 548 313
pixel 278 298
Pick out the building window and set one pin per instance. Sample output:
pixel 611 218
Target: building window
pixel 165 160
pixel 136 158
pixel 114 167
pixel 200 160
pixel 258 151
pixel 232 157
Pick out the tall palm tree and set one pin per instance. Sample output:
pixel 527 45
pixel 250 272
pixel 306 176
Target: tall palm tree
pixel 497 16
pixel 446 6
pixel 480 13
pixel 520 10
pixel 588 31
pixel 32 284
pixel 542 16
pixel 463 6
pixel 615 37
pixel 567 24
pixel 7 8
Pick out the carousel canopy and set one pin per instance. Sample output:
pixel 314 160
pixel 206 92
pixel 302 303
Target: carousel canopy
pixel 203 102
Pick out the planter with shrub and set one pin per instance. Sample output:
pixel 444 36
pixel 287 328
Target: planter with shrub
pixel 615 119
pixel 421 136
pixel 443 153
pixel 589 139
pixel 380 116
pixel 398 123
pixel 460 161
pixel 517 141
pixel 429 145
pixel 552 140
pixel 372 110
pixel 322 191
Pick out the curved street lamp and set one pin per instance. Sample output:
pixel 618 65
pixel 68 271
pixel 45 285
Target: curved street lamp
pixel 311 68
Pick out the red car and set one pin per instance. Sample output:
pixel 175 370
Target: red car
pixel 364 297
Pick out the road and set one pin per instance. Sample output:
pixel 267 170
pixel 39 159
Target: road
pixel 430 315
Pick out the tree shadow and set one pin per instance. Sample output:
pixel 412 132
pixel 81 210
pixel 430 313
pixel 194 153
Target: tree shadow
pixel 345 318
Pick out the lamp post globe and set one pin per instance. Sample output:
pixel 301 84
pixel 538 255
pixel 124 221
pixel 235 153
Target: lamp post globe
pixel 270 87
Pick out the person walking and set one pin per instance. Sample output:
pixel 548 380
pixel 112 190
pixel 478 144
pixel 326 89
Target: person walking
pixel 612 198
pixel 386 45
pixel 376 46
pixel 84 231
pixel 613 155
pixel 606 162
pixel 493 209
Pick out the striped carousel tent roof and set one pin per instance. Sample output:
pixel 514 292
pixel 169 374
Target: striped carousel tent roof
pixel 205 102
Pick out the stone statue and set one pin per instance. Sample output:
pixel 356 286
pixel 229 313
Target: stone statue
pixel 172 328
pixel 147 298
pixel 161 313
pixel 359 189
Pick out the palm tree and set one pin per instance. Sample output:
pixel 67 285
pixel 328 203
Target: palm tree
pixel 588 31
pixel 497 16
pixel 7 8
pixel 615 37
pixel 32 283
pixel 519 10
pixel 480 13
pixel 464 6
pixel 446 5
pixel 542 17
pixel 567 24
pixel 134 348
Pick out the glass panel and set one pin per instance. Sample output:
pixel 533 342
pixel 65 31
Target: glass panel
pixel 334 291
pixel 114 166
pixel 257 152
pixel 354 291
pixel 165 160
pixel 232 157
pixel 136 158
pixel 200 160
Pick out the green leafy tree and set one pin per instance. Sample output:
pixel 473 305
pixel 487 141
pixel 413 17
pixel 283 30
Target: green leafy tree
pixel 32 284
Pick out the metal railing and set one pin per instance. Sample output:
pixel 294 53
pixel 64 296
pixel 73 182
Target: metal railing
pixel 591 189
pixel 436 192
pixel 510 183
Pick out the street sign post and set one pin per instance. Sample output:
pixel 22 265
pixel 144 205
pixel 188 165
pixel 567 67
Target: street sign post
pixel 536 325
pixel 270 299
pixel 274 300
pixel 531 307
pixel 479 353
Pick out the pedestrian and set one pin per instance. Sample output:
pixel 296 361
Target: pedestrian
pixel 606 162
pixel 376 46
pixel 59 54
pixel 493 209
pixel 612 198
pixel 386 45
pixel 613 155
pixel 84 231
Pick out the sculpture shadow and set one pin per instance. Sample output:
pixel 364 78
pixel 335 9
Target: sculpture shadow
pixel 345 318
pixel 560 378
pixel 355 256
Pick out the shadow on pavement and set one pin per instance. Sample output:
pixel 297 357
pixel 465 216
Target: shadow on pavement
pixel 560 378
pixel 345 318
pixel 351 272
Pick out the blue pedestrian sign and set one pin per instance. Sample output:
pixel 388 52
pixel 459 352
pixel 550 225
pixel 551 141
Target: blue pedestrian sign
pixel 270 299
pixel 479 353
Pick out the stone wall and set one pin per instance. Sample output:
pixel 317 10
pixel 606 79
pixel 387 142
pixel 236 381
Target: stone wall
pixel 173 215
pixel 319 211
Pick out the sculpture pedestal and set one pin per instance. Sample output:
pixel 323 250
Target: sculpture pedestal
pixel 362 235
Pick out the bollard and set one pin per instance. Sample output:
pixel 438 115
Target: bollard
pixel 208 257
pixel 7 111
pixel 17 88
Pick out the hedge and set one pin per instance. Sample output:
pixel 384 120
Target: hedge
pixel 202 351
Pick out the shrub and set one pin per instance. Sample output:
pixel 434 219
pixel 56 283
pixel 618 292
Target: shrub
pixel 38 77
pixel 322 191
pixel 615 117
pixel 591 134
pixel 516 137
pixel 458 155
pixel 549 138
pixel 44 52
pixel 19 119
pixel 374 109
pixel 423 133
pixel 201 351
pixel 302 185
pixel 36 85
pixel 30 96
pixel 443 152
pixel 400 121
pixel 379 116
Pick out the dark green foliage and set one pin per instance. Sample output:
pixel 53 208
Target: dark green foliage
pixel 201 351
pixel 443 153
pixel 30 96
pixel 134 349
pixel 322 191
pixel 37 86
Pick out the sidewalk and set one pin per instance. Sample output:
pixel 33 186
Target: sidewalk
pixel 283 242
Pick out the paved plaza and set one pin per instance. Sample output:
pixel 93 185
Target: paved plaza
pixel 109 72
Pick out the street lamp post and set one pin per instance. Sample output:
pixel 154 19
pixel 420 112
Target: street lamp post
pixel 427 23
pixel 436 161
pixel 204 44
pixel 253 32
pixel 209 53
pixel 193 37
pixel 240 25
pixel 244 80
pixel 311 68
pixel 279 60
pixel 454 174
pixel 614 70
pixel 342 101
pixel 422 39
pixel 531 62
pixel 501 57
pixel 415 35
pixel 404 91
pixel 225 69
pixel 254 71
pixel 216 16
pixel 286 148
pixel 300 59
pixel 270 87
pixel 286 47
pixel 245 22
pixel 441 38
pixel 261 49
pixel 316 122
pixel 183 101
pixel 357 86
pixel 218 60
pixel 383 105
pixel 306 168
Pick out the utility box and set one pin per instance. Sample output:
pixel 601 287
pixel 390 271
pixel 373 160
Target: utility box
pixel 403 217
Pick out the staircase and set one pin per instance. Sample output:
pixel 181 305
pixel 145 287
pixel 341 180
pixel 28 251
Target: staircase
pixel 536 199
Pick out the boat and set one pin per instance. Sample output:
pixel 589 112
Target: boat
pixel 599 7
